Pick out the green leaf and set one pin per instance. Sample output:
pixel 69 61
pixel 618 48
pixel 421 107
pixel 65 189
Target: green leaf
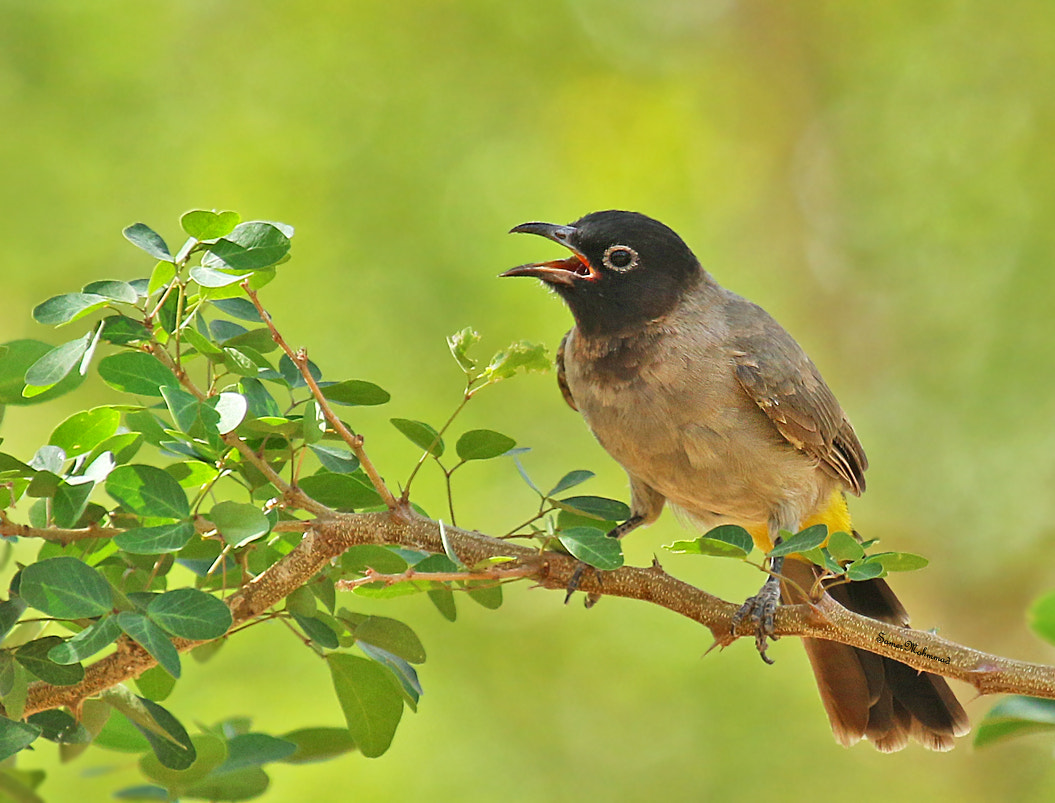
pixel 16 680
pixel 53 367
pixel 144 237
pixel 570 480
pixel 356 392
pixel 70 500
pixel 593 547
pixel 167 737
pixel 136 372
pixel 519 356
pixel 258 340
pixel 231 409
pixel 843 547
pixel 238 308
pixel 122 330
pixel 250 246
pixel 864 570
pixel 337 459
pixel 459 344
pixel 163 273
pixel 420 434
pixel 59 310
pixel 58 726
pixel 173 747
pixel 149 425
pixel 34 657
pixel 11 611
pixel 155 540
pixel 187 412
pixel 260 402
pixel 388 634
pixel 239 363
pixel 120 734
pixel 82 432
pixel 204 224
pixel 65 588
pixel 15 736
pixel 821 557
pixel 724 541
pixel 808 539
pixel 201 343
pixel 357 559
pixel 340 491
pixel 210 752
pixel 96 636
pixel 48 458
pixel 317 630
pixel 301 601
pixel 244 784
pixel 443 599
pixel 404 673
pixel 255 749
pixel 19 356
pixel 318 744
pixel 152 639
pixel 148 491
pixel 483 444
pixel 595 507
pixel 371 702
pixel 313 424
pixel 239 523
pixel 1041 617
pixel 486 593
pixel 118 291
pixel 1015 716
pixel 155 684
pixel 898 561
pixel 190 614
pixel 210 277
pixel 122 447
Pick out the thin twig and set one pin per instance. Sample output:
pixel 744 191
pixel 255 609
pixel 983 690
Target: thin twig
pixel 59 534
pixel 498 573
pixel 354 441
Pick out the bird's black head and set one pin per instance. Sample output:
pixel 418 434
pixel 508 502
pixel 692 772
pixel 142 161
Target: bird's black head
pixel 626 269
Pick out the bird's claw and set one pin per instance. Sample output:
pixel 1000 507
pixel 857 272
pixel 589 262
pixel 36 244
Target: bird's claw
pixel 760 610
pixel 576 578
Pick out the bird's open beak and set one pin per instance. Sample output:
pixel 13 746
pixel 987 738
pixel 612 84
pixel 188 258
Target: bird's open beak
pixel 558 271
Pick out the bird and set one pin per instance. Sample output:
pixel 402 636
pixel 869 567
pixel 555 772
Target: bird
pixel 712 407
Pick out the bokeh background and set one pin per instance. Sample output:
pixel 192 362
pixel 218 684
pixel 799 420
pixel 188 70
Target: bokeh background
pixel 879 176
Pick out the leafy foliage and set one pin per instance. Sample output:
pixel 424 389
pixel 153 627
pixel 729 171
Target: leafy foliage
pixel 154 513
pixel 153 510
pixel 842 557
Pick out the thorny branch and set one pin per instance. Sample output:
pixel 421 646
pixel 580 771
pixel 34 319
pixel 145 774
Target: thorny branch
pixel 328 538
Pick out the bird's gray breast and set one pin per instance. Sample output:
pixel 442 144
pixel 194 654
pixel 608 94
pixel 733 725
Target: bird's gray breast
pixel 665 403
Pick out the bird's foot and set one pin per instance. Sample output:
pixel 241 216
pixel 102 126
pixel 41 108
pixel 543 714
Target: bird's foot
pixel 759 610
pixel 576 578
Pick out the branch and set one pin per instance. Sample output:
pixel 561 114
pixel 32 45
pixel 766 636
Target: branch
pixel 328 538
pixel 58 534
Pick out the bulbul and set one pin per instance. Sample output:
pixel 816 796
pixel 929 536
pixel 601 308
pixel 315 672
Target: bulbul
pixel 711 406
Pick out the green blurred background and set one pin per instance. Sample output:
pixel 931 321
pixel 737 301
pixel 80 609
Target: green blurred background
pixel 879 176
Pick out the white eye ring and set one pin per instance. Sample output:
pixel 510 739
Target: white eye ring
pixel 620 251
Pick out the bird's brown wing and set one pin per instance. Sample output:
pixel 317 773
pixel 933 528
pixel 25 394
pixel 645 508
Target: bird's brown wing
pixel 777 375
pixel 562 378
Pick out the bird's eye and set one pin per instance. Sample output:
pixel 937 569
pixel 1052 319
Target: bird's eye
pixel 620 258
